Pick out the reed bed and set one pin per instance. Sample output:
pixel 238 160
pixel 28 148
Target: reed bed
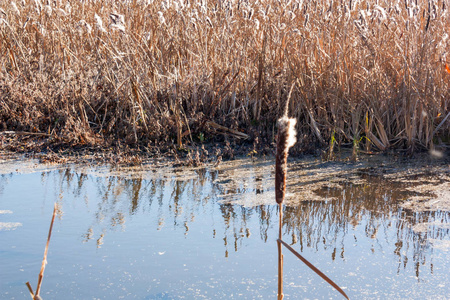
pixel 372 75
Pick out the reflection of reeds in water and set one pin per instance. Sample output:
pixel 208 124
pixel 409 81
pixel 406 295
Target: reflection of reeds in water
pixel 370 202
pixel 355 201
pixel 376 208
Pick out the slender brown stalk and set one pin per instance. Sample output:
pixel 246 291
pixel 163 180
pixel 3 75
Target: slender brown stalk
pixel 30 289
pixel 280 257
pixel 44 260
pixel 285 140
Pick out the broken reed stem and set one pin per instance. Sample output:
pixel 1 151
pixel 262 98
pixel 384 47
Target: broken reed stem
pixel 30 289
pixel 312 267
pixel 44 260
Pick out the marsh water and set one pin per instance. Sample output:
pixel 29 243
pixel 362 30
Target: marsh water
pixel 160 232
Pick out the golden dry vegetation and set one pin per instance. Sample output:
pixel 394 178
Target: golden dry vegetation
pixel 372 74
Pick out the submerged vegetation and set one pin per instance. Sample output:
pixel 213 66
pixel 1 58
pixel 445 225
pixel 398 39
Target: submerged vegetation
pixel 373 75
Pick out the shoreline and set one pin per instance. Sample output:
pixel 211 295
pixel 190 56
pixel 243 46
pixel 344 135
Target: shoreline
pixel 424 178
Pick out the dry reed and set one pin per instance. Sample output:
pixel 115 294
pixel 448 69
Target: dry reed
pixel 36 295
pixel 153 72
pixel 285 140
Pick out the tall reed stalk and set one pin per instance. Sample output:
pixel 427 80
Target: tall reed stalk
pixel 36 296
pixel 286 139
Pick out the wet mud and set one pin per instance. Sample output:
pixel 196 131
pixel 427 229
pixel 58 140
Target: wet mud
pixel 421 183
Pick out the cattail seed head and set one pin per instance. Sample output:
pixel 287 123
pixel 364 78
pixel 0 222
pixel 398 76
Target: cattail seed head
pixel 161 18
pixel 60 12
pixel 14 8
pixel 99 23
pixel 286 139
pixel 256 21
pixel 48 10
pixel 117 19
pixel 84 26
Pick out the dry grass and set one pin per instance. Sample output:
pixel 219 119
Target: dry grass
pixel 154 72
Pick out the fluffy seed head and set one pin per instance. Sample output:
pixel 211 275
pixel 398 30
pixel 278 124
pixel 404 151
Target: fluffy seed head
pixel 117 19
pixel 84 26
pixel 161 18
pixel 286 139
pixel 14 8
pixel 60 12
pixel 48 10
pixel 99 23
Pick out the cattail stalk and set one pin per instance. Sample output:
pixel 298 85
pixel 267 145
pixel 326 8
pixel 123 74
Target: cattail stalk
pixel 286 139
pixel 280 270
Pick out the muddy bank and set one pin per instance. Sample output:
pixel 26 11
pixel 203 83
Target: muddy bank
pixel 421 183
